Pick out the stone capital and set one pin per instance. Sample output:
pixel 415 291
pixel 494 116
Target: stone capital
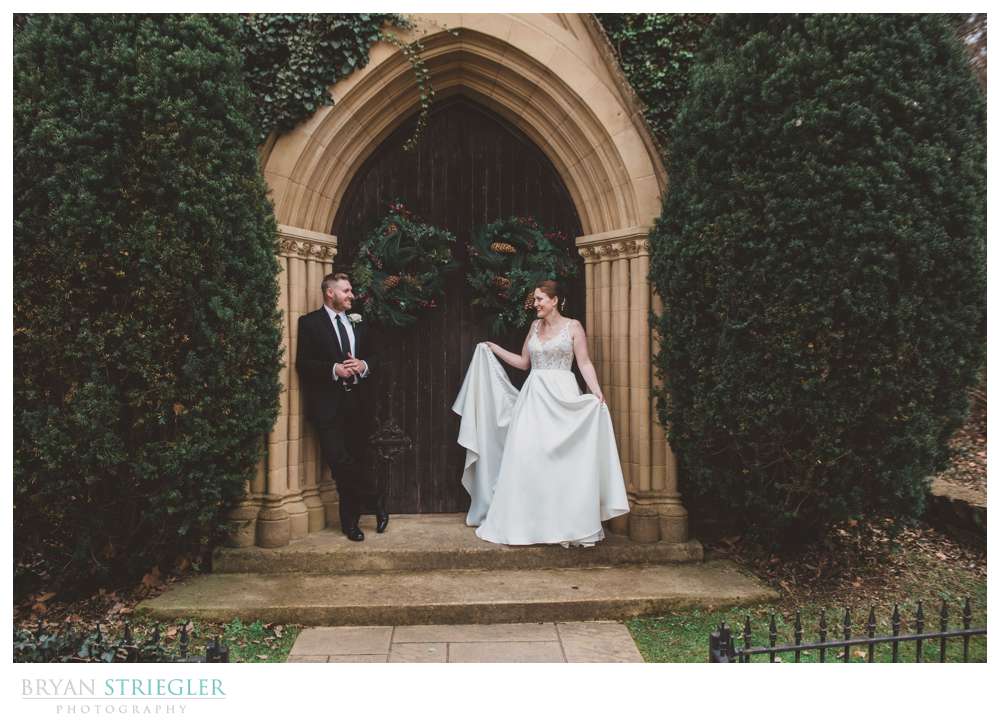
pixel 306 244
pixel 618 244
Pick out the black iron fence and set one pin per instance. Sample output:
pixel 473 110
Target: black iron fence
pixel 722 647
pixel 67 644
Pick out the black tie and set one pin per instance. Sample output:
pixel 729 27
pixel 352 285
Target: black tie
pixel 345 345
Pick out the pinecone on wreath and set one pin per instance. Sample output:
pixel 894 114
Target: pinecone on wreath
pixel 502 247
pixel 390 282
pixel 503 256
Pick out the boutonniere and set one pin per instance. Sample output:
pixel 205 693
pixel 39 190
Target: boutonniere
pixel 355 318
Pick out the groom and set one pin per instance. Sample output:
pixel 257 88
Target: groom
pixel 332 362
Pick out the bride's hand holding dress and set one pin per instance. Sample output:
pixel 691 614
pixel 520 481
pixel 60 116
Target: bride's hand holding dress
pixel 583 359
pixel 521 362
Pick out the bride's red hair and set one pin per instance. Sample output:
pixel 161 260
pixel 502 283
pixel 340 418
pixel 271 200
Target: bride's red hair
pixel 552 289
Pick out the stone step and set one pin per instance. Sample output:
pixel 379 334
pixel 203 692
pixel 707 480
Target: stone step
pixel 403 598
pixel 958 510
pixel 437 542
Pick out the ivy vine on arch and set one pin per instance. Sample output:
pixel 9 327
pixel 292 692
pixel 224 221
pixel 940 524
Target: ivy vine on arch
pixel 291 60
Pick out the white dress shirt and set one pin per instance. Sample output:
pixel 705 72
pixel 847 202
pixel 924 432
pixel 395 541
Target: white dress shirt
pixel 350 337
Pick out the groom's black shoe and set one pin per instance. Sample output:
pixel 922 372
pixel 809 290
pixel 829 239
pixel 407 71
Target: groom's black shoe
pixel 381 515
pixel 354 534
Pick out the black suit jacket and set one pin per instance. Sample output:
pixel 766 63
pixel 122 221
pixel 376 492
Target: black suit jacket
pixel 318 350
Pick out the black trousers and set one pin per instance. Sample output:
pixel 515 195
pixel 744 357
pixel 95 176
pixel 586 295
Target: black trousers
pixel 344 444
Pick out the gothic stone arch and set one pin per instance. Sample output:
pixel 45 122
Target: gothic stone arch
pixel 555 78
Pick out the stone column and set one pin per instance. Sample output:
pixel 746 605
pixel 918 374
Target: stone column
pixel 327 488
pixel 617 264
pixel 639 367
pixel 665 487
pixel 287 498
pixel 617 390
pixel 273 521
pixel 309 457
pixel 603 312
pixel 298 516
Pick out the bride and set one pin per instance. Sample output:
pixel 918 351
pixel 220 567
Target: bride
pixel 541 464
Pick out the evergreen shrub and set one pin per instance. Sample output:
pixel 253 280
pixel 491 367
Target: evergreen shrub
pixel 147 343
pixel 821 257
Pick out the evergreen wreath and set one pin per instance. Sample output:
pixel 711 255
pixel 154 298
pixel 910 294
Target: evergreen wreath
pixel 400 268
pixel 508 259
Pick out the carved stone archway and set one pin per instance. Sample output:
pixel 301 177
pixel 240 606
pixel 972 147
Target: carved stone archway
pixel 555 78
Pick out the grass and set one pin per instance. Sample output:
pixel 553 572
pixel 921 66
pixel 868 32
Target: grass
pixel 255 642
pixel 683 636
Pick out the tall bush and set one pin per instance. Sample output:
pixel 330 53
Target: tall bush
pixel 821 257
pixel 146 341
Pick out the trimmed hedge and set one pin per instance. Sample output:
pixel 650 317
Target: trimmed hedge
pixel 147 342
pixel 821 255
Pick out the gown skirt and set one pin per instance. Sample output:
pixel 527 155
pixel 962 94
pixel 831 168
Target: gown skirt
pixel 541 465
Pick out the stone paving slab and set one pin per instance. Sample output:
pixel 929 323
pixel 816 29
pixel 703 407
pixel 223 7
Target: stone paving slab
pixel 350 640
pixel 478 632
pixel 564 642
pixel 506 652
pixel 422 653
pixel 359 659
pixel 597 642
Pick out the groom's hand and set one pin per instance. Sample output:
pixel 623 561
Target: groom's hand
pixel 343 370
pixel 352 366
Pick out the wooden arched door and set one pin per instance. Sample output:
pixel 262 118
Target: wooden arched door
pixel 470 168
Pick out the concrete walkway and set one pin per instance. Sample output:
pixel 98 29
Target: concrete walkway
pixel 571 642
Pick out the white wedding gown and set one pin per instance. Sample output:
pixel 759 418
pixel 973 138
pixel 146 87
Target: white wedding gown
pixel 541 466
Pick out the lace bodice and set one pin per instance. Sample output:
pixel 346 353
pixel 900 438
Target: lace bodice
pixel 552 354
